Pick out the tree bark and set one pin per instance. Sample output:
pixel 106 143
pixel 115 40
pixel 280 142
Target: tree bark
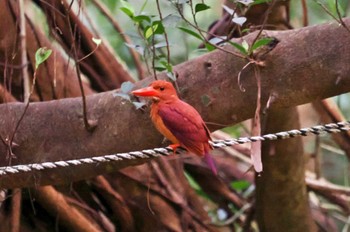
pixel 305 65
pixel 281 196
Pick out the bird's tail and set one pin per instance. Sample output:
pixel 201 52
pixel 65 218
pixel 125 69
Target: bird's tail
pixel 211 163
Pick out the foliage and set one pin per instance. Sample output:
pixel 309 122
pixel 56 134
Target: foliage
pixel 41 55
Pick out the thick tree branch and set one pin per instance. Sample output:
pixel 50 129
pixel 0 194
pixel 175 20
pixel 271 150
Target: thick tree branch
pixel 307 64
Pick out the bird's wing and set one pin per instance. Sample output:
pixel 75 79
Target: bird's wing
pixel 185 123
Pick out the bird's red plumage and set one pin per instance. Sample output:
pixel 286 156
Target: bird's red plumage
pixel 184 122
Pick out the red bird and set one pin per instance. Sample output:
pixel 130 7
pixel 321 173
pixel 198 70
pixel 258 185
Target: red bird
pixel 178 121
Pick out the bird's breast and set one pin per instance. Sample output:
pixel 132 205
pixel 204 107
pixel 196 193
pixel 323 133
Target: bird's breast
pixel 159 124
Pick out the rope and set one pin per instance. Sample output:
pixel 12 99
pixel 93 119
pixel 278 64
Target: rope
pixel 156 152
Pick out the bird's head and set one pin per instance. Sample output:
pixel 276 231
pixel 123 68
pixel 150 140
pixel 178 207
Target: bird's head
pixel 158 90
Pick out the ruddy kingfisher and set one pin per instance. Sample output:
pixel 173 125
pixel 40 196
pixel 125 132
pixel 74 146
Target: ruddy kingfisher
pixel 177 120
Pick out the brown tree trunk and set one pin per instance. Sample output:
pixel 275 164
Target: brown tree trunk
pixel 281 196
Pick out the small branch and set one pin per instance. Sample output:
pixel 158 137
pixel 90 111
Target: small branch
pixel 200 31
pixel 340 16
pixel 16 210
pixel 317 158
pixel 329 112
pixel 268 11
pixel 325 186
pixel 184 207
pixel 153 55
pixel 57 206
pixel 305 13
pixel 24 60
pixel 77 68
pixel 165 34
pixel 114 202
pixel 122 34
pixel 10 142
pixel 339 19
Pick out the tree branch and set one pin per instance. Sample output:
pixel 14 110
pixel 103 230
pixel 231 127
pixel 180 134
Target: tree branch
pixel 307 64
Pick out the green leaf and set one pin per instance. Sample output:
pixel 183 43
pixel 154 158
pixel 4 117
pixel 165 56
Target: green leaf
pixel 201 7
pixel 246 30
pixel 41 55
pixel 193 183
pixel 128 12
pixel 159 69
pixel 245 45
pixel 188 31
pixel 141 18
pixel 166 65
pixel 333 8
pixel 240 185
pixel 160 29
pixel 256 2
pixel 261 42
pixel 156 28
pixel 210 47
pixel 239 47
pixel 127 9
pixel 150 31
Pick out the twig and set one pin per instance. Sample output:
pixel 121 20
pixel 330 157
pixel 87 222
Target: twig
pixel 24 59
pixel 339 19
pixel 192 213
pixel 126 38
pixel 325 186
pixel 175 196
pixel 305 13
pixel 234 217
pixel 230 34
pixel 263 24
pixel 153 55
pixel 16 210
pixel 330 112
pixel 250 214
pixel 10 141
pixel 114 202
pixel 317 157
pixel 77 68
pixel 165 33
pixel 13 66
pixel 56 204
pixel 200 31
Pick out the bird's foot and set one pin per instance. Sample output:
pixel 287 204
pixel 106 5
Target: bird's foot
pixel 174 147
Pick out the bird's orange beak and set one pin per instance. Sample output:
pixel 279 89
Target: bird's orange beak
pixel 146 92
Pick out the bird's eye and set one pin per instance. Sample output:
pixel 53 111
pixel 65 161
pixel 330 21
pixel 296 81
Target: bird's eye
pixel 161 88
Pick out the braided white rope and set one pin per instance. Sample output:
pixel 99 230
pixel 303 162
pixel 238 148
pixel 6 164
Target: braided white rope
pixel 156 152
